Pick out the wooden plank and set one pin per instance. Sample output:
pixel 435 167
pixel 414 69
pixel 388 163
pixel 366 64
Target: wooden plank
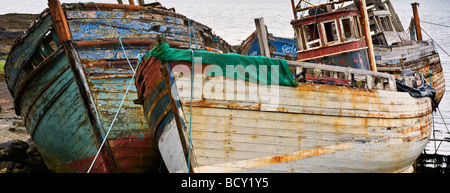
pixel 89 104
pixel 23 50
pixel 329 3
pixel 171 149
pixel 60 22
pixel 261 31
pixel 287 99
pixel 113 6
pixel 153 15
pixel 395 19
pixel 182 135
pixel 262 139
pixel 337 69
pixel 132 42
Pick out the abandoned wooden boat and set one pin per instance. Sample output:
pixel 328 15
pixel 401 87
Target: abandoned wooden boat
pixel 71 78
pixel 394 49
pixel 280 47
pixel 212 112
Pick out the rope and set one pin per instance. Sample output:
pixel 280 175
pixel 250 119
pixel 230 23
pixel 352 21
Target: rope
pixel 192 91
pixel 128 87
pixel 434 23
pixel 114 120
pixel 117 34
pixel 443 120
pixel 435 42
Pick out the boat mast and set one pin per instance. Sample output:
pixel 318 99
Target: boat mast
pixel 368 37
pixel 294 8
pixel 417 21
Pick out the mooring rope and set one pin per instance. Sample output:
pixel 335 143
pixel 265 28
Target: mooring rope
pixel 437 107
pixel 192 90
pixel 117 34
pixel 114 120
pixel 445 124
pixel 434 23
pixel 126 92
pixel 435 42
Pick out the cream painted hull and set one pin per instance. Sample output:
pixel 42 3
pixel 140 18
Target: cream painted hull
pixel 310 128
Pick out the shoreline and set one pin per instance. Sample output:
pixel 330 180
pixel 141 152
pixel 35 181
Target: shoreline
pixel 18 154
pixel 11 125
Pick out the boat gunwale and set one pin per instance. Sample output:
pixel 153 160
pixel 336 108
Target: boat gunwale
pixel 30 76
pixel 19 42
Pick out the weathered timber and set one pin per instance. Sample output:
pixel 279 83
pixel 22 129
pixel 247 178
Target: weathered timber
pixel 68 76
pixel 351 71
pixel 60 22
pixel 301 130
pixel 261 32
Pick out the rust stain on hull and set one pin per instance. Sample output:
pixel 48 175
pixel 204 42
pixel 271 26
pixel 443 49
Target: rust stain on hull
pixel 267 161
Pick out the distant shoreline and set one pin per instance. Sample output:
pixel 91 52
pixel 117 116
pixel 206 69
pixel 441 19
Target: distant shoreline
pixel 13 25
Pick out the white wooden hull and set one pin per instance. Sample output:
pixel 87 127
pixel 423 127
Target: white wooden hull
pixel 169 145
pixel 309 128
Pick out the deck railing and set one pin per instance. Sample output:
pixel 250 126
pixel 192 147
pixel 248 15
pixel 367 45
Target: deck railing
pixel 311 72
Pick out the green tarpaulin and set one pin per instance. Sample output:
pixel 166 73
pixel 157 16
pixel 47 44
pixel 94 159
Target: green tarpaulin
pixel 252 64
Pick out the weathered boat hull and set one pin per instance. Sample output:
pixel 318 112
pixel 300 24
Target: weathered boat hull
pixel 309 128
pixel 418 56
pixel 280 47
pixel 415 56
pixel 68 93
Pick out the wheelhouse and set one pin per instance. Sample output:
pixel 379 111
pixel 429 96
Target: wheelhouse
pixel 332 37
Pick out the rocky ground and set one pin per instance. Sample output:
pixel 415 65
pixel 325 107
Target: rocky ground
pixel 18 154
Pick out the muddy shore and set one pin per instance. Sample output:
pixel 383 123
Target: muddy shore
pixel 12 26
pixel 18 154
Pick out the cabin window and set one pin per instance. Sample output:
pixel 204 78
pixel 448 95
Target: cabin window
pixel 330 32
pixel 347 29
pixel 311 35
pixel 300 43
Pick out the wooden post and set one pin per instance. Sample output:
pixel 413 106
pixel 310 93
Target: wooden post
pixel 368 37
pixel 131 2
pixel 119 1
pixel 60 22
pixel 141 2
pixel 184 143
pixel 396 20
pixel 417 21
pixel 261 31
pixel 83 88
pixel 294 9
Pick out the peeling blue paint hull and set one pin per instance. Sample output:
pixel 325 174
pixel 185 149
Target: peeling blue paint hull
pixel 68 93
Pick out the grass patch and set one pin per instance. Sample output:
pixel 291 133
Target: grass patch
pixel 2 67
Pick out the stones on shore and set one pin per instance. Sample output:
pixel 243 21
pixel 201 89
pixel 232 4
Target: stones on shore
pixel 17 156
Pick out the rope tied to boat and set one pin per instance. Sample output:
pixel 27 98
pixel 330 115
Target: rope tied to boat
pixel 128 87
pixel 115 32
pixel 192 91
